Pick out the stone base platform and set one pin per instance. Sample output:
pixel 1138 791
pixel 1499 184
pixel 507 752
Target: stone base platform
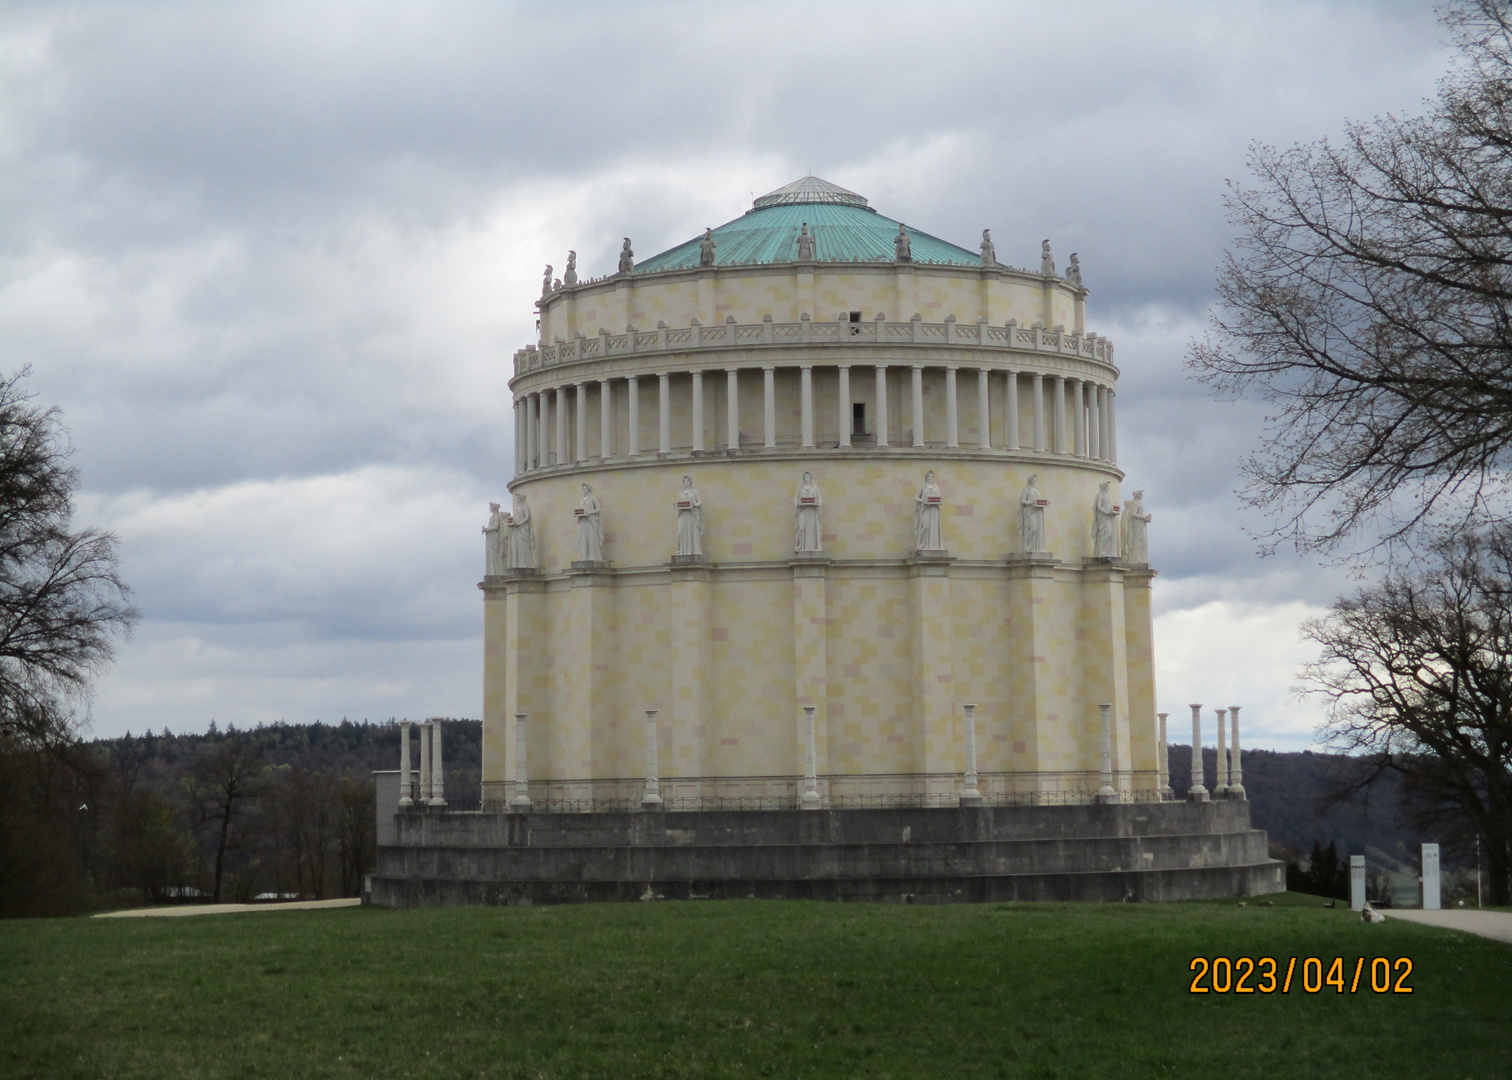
pixel 1138 852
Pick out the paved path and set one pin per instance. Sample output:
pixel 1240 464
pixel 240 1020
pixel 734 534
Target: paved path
pixel 1496 925
pixel 224 909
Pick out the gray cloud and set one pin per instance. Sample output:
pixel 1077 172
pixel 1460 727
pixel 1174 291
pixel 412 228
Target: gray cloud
pixel 272 260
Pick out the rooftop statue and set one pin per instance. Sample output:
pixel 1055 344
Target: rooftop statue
pixel 569 275
pixel 627 258
pixel 808 517
pixel 902 246
pixel 805 244
pixel 1073 272
pixel 522 551
pixel 1032 517
pixel 927 516
pixel 590 527
pixel 546 283
pixel 690 519
pixel 989 252
pixel 1047 260
pixel 495 564
pixel 1136 537
pixel 706 248
pixel 1104 524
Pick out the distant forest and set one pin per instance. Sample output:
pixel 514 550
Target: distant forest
pixel 287 810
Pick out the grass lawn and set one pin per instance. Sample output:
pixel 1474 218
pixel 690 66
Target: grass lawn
pixel 740 989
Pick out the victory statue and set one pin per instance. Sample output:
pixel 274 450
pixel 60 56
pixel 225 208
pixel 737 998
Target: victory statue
pixel 1136 537
pixel 495 564
pixel 1104 524
pixel 522 549
pixel 808 516
pixel 927 516
pixel 690 519
pixel 590 527
pixel 1032 517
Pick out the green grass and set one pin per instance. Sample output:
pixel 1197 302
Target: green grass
pixel 737 989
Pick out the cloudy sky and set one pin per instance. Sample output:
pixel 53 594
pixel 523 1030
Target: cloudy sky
pixel 271 261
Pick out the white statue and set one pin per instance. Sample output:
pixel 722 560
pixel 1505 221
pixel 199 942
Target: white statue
pixel 805 244
pixel 1032 517
pixel 989 252
pixel 808 516
pixel 569 275
pixel 902 245
pixel 1073 272
pixel 1047 260
pixel 927 516
pixel 590 527
pixel 706 248
pixel 495 563
pixel 627 258
pixel 522 550
pixel 1136 536
pixel 1104 524
pixel 690 519
pixel 546 283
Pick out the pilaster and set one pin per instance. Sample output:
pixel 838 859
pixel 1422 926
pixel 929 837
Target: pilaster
pixel 525 667
pixel 1032 733
pixel 933 635
pixel 1104 667
pixel 586 689
pixel 689 601
pixel 1139 637
pixel 496 709
pixel 810 659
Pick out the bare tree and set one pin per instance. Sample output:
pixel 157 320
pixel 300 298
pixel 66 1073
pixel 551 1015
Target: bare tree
pixel 1417 671
pixel 61 598
pixel 359 832
pixel 1369 300
pixel 226 780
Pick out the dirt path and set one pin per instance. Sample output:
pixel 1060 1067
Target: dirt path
pixel 224 909
pixel 1496 925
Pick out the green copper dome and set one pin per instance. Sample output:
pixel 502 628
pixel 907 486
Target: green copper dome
pixel 844 228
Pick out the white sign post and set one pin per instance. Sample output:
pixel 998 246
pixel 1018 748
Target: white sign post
pixel 1431 877
pixel 1357 882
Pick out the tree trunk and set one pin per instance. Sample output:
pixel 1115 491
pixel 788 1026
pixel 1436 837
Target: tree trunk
pixel 220 853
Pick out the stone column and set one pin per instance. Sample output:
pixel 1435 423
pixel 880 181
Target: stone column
pixel 1236 773
pixel 562 424
pixel 732 409
pixel 543 430
pixel 1220 767
pixel 438 774
pixel 632 417
pixel 970 796
pixel 1094 424
pixel 1105 793
pixel 845 406
pixel 769 407
pixel 1163 782
pixel 664 413
pixel 1078 418
pixel 1112 429
pixel 810 800
pixel 606 420
pixel 517 438
pixel 881 404
pixel 1058 422
pixel 698 416
pixel 1104 423
pixel 1011 412
pixel 806 403
pixel 984 412
pixel 652 799
pixel 1198 792
pixel 521 800
pixel 918 405
pixel 404 764
pixel 425 763
pixel 581 441
pixel 952 415
pixel 1038 383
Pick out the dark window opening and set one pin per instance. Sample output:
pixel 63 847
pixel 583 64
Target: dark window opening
pixel 855 316
pixel 858 418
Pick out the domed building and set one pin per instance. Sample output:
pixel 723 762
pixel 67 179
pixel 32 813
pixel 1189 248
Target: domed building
pixel 816 582
pixel 814 336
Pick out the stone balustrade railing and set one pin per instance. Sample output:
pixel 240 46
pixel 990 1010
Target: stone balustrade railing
pixel 806 331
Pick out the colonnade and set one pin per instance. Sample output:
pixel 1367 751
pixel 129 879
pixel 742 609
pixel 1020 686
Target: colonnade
pixel 1080 419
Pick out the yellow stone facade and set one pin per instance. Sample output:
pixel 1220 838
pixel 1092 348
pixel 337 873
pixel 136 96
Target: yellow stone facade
pixel 886 643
